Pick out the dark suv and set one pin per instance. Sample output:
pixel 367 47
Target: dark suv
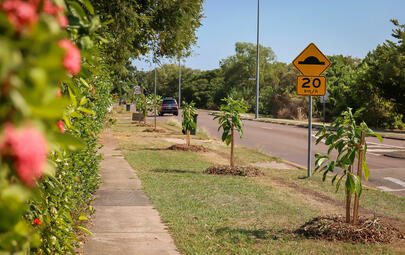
pixel 169 105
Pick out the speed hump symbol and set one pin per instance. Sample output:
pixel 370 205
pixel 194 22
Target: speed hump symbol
pixel 311 85
pixel 311 61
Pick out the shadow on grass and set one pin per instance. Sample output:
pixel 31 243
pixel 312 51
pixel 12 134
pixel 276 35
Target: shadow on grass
pixel 264 234
pixel 154 149
pixel 174 171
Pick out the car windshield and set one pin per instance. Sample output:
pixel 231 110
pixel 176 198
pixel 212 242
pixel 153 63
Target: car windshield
pixel 171 101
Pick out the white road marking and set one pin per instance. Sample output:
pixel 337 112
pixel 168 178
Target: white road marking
pixel 377 149
pixel 383 188
pixel 394 180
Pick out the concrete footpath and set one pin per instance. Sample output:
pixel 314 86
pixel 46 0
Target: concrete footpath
pixel 125 221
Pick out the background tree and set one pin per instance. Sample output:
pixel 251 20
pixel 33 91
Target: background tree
pixel 132 28
pixel 143 105
pixel 230 120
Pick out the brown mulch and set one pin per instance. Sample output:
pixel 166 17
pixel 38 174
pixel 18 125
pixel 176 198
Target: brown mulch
pixel 237 170
pixel 141 124
pixel 325 199
pixel 151 130
pixel 184 147
pixel 334 228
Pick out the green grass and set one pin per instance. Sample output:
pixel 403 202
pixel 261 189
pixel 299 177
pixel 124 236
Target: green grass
pixel 372 199
pixel 209 214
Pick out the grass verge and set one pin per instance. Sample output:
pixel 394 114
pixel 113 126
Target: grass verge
pixel 210 214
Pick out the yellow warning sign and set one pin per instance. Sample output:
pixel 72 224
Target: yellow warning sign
pixel 311 85
pixel 311 61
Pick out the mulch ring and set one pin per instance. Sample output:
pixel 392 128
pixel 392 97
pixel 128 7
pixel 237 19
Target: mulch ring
pixel 335 228
pixel 151 130
pixel 184 147
pixel 141 124
pixel 237 170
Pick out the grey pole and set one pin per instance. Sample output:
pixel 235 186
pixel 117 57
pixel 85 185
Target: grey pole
pixel 257 62
pixel 324 115
pixel 179 83
pixel 309 135
pixel 155 81
pixel 154 103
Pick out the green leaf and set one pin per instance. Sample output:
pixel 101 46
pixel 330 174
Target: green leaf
pixel 83 101
pixel 83 217
pixel 72 98
pixel 76 115
pixel 366 170
pixel 52 110
pixel 349 184
pixel 77 10
pixel 357 185
pixel 84 82
pixel 88 6
pixel 85 230
pixel 69 142
pixel 379 137
pixel 86 110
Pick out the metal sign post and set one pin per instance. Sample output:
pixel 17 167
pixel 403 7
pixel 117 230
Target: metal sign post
pixel 179 103
pixel 311 62
pixel 154 101
pixel 257 61
pixel 309 136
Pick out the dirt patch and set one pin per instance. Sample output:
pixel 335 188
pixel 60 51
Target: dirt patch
pixel 237 170
pixel 184 147
pixel 152 130
pixel 141 124
pixel 334 228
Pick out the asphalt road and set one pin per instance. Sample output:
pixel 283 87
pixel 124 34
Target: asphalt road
pixel 290 143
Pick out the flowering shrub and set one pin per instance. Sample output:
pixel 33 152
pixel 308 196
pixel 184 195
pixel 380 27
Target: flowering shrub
pixel 54 92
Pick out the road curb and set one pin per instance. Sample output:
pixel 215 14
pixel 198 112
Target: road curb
pixel 294 164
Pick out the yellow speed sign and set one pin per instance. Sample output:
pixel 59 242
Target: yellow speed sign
pixel 311 85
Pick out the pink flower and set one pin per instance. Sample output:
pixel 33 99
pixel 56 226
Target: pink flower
pixel 72 59
pixel 28 149
pixel 63 21
pixel 61 126
pixel 57 12
pixel 51 9
pixel 93 91
pixel 59 93
pixel 21 14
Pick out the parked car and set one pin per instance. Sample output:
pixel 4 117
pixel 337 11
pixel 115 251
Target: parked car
pixel 169 105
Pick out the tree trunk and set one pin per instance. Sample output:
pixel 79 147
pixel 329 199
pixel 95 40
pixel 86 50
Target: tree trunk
pixel 232 147
pixel 348 201
pixel 188 131
pixel 359 173
pixel 188 138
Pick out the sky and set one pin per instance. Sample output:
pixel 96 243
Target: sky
pixel 348 27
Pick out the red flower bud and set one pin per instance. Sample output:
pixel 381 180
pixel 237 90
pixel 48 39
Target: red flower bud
pixel 59 93
pixel 61 126
pixel 37 221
